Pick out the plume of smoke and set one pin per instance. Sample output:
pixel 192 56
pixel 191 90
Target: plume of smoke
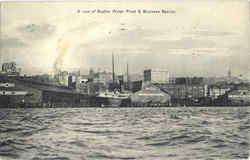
pixel 79 35
pixel 62 47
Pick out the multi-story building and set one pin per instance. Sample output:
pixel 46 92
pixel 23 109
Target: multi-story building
pixel 67 79
pixel 103 77
pixel 160 76
pixel 172 80
pixel 72 81
pixel 63 78
pixel 215 91
pixel 239 97
pixel 185 91
pixel 84 85
pixel 136 86
pixel 9 67
pixel 81 85
pixel 189 80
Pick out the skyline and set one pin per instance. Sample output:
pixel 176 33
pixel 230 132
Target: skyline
pixel 193 41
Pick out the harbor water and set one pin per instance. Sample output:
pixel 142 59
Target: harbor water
pixel 124 133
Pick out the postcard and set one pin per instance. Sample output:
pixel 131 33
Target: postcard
pixel 125 80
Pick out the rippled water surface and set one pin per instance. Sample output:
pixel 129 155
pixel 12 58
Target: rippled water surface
pixel 126 133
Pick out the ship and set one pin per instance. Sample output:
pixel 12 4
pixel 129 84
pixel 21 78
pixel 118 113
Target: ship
pixel 114 98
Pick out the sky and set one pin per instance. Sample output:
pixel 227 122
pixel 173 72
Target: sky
pixel 201 37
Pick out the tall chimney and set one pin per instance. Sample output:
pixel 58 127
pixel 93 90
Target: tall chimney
pixel 113 68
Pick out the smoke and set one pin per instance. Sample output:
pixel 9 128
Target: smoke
pixel 62 48
pixel 84 34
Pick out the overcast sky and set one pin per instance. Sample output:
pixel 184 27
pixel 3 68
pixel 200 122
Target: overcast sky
pixel 203 38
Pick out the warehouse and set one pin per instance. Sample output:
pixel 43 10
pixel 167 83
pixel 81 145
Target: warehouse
pixel 49 96
pixel 239 98
pixel 151 96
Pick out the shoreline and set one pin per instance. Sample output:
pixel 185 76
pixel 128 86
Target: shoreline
pixel 14 107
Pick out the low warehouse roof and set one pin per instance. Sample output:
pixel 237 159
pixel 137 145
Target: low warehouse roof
pixel 150 94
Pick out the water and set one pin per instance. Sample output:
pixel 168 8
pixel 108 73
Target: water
pixel 124 134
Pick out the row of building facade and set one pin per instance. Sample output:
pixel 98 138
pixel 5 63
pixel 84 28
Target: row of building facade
pixel 181 89
pixel 154 85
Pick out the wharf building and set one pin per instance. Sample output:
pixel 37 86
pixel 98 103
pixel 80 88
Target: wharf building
pixel 10 94
pixel 183 90
pixel 239 97
pixel 151 96
pixel 146 93
pixel 135 86
pixel 10 69
pixel 97 82
pixel 133 82
pixel 159 76
pixel 192 94
pixel 45 95
pixel 94 83
pixel 67 79
pixel 216 90
pixel 103 77
pixel 18 91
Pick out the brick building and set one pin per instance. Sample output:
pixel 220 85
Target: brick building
pixel 159 76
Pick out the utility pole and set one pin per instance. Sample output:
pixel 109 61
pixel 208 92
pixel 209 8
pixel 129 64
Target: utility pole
pixel 128 80
pixel 113 69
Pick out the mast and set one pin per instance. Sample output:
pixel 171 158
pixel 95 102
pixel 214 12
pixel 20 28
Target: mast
pixel 128 80
pixel 113 69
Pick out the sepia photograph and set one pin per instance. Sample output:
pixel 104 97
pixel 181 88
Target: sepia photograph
pixel 117 80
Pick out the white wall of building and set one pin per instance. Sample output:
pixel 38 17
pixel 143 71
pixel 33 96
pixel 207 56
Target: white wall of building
pixel 81 85
pixel 160 76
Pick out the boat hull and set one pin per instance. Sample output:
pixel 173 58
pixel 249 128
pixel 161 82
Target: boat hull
pixel 113 102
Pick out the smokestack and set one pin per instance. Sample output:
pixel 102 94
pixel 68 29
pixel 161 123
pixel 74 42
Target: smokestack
pixel 128 80
pixel 113 68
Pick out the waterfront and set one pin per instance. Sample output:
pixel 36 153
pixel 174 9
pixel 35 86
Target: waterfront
pixel 124 133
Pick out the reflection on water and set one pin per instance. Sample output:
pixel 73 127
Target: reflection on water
pixel 126 133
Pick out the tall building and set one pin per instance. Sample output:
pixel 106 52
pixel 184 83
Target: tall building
pixel 103 77
pixel 156 76
pixel 229 74
pixel 63 78
pixel 81 85
pixel 9 67
pixel 182 91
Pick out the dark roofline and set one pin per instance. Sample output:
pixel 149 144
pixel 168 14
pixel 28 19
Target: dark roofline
pixel 160 89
